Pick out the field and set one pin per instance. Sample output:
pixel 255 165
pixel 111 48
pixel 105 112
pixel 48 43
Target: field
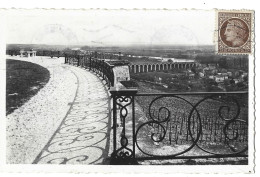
pixel 23 80
pixel 172 135
pixel 176 82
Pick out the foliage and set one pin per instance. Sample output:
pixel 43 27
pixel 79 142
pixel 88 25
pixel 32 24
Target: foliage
pixel 223 63
pixel 207 58
pixel 23 80
pixel 175 81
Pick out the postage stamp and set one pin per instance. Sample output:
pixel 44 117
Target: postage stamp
pixel 85 90
pixel 235 32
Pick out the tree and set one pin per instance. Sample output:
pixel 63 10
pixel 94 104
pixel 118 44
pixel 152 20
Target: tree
pixel 170 61
pixel 232 82
pixel 194 69
pixel 245 78
pixel 223 63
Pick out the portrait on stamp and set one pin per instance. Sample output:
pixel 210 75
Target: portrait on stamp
pixel 234 32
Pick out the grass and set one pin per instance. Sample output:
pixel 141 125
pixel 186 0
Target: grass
pixel 23 81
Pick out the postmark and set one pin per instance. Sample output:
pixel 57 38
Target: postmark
pixel 52 33
pixel 235 32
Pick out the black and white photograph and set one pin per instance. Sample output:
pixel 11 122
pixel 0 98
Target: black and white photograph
pixel 129 87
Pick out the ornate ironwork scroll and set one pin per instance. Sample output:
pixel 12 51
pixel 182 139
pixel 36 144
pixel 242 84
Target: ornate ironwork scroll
pixel 122 102
pixel 203 125
pixel 160 122
pixel 174 126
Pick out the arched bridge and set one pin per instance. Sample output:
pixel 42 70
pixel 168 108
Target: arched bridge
pixel 133 123
pixel 195 125
pixel 150 67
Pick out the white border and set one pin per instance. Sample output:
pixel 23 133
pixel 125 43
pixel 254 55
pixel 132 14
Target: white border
pixel 115 4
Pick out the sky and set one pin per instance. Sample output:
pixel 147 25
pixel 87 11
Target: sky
pixel 111 27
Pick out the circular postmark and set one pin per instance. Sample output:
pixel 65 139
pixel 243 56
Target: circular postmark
pixel 54 34
pixel 174 35
pixel 234 32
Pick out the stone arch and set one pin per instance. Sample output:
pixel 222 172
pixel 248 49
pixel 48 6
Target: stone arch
pixel 132 68
pixel 137 68
pixel 161 67
pixel 153 67
pixel 149 68
pixel 141 68
pixel 165 66
pixel 157 67
pixel 145 68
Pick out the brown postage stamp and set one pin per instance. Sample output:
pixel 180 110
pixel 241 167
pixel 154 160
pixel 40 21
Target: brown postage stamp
pixel 235 32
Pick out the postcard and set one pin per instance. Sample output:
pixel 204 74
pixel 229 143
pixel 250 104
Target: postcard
pixel 149 90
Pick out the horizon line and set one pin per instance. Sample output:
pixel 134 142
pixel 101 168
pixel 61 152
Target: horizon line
pixel 118 45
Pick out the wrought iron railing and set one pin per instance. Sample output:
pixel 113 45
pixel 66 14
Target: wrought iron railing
pixel 178 126
pixel 100 66
pixel 171 126
pixel 51 53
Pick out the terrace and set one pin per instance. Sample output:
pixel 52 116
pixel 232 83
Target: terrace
pixel 152 126
pixel 147 126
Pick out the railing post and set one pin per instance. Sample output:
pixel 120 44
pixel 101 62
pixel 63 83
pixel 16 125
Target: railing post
pixel 94 64
pixel 66 59
pixel 133 125
pixel 114 122
pixel 112 76
pixel 77 60
pixel 123 155
pixel 85 61
pixel 119 56
pixel 103 69
pixel 90 63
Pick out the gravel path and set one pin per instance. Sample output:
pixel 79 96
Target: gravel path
pixel 66 122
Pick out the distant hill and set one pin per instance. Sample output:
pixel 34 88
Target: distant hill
pixel 38 47
pixel 174 51
pixel 130 47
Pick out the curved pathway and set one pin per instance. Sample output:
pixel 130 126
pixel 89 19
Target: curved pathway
pixel 79 104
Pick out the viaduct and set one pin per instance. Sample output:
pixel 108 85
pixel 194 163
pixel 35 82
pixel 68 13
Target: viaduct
pixel 150 67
